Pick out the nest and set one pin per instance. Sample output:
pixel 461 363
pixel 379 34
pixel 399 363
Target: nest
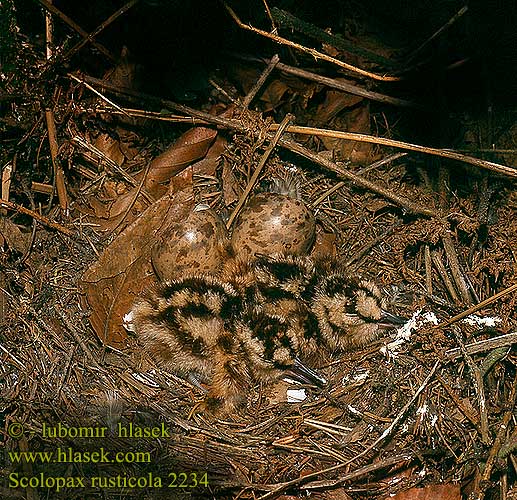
pixel 431 405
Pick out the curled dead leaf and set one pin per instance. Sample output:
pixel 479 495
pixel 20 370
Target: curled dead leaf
pixel 190 147
pixel 12 236
pixel 433 492
pixel 325 244
pixel 124 270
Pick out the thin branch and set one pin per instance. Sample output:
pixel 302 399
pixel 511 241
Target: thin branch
pixel 443 153
pixel 455 267
pixel 477 307
pixel 312 52
pixel 260 82
pixel 484 481
pixel 484 345
pixel 256 173
pixel 479 387
pixel 77 28
pixel 89 38
pixel 36 216
pixel 337 84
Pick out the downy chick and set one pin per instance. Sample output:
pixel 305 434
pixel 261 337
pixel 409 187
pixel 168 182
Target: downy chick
pixel 263 350
pixel 349 312
pixel 198 328
pixel 181 322
pixel 275 285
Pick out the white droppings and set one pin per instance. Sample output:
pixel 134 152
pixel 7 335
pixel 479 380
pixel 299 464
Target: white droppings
pixel 296 395
pixel 356 377
pixel 488 321
pixel 422 410
pixel 403 334
pixel 127 322
pixel 353 410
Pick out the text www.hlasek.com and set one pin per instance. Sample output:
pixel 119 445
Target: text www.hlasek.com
pixel 68 455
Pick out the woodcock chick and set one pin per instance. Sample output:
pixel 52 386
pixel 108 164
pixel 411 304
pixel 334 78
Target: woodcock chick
pixel 199 327
pixel 263 319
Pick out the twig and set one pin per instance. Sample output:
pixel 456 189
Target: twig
pixel 483 483
pixel 292 146
pixel 477 307
pixel 258 84
pixel 356 179
pixel 138 191
pixel 366 248
pixel 58 171
pixel 260 166
pixel 437 261
pixel 111 164
pixel 444 153
pixel 77 28
pixel 7 175
pixel 467 411
pixel 428 270
pixel 268 12
pixel 225 122
pixel 89 38
pixel 338 84
pixel 36 216
pixel 380 163
pixel 339 185
pixel 28 250
pixel 12 356
pixel 448 24
pixel 387 432
pixel 367 469
pixel 71 328
pixel 455 267
pixel 478 386
pixel 312 52
pixel 484 345
pixel 286 19
pixel 141 113
pixel 98 94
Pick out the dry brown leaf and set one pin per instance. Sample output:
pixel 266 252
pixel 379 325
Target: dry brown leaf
pixel 358 120
pixel 110 147
pixel 346 112
pixel 231 191
pixel 208 165
pixel 123 270
pixel 182 181
pixel 273 94
pixel 191 146
pixel 12 235
pixel 433 492
pixel 335 102
pixel 124 210
pixel 124 73
pixel 338 494
pixel 325 244
pixel 270 96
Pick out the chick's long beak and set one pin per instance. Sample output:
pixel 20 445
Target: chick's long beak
pixel 306 375
pixel 390 320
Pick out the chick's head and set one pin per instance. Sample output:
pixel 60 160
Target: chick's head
pixel 349 312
